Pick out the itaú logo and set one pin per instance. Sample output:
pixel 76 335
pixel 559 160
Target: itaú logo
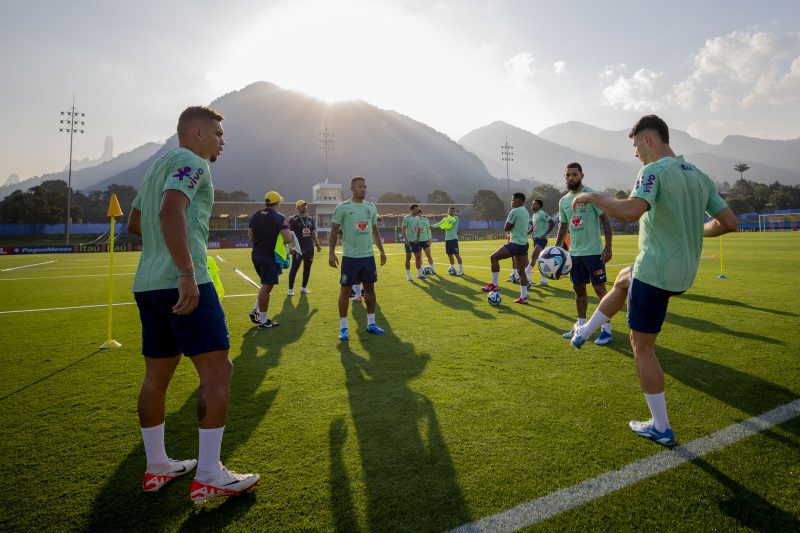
pixel 361 225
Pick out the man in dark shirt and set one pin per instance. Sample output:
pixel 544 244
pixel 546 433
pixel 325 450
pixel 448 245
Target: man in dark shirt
pixel 306 233
pixel 265 226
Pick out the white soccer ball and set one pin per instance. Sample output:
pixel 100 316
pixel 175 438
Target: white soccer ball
pixel 514 277
pixel 554 262
pixel 494 298
pixel 451 270
pixel 427 270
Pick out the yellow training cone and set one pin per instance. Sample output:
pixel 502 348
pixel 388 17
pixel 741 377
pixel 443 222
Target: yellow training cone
pixel 113 211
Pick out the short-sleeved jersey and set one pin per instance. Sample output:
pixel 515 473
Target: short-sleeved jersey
pixel 671 230
pixel 452 232
pixel 302 228
pixel 356 220
pixel 424 229
pixel 182 170
pixel 266 225
pixel 540 222
pixel 584 225
pixel 519 217
pixel 410 227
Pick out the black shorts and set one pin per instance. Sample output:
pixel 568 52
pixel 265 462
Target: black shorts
pixel 647 306
pixel 517 249
pixel 424 245
pixel 587 268
pixel 357 270
pixel 165 334
pixel 451 247
pixel 412 247
pixel 541 242
pixel 266 268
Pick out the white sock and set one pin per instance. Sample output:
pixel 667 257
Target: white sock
pixel 419 271
pixel 154 447
pixel 607 327
pixel 255 306
pixel 523 291
pixel 208 463
pixel 263 317
pixel 408 274
pixel 461 267
pixel 370 318
pixel 658 408
pixel 597 320
pixel 528 270
pixel 343 322
pixel 495 278
pixel 357 290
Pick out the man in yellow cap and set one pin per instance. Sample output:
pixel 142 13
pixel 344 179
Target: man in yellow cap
pixel 265 227
pixel 306 233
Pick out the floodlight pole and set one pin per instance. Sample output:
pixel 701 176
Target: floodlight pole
pixel 326 142
pixel 506 152
pixel 71 122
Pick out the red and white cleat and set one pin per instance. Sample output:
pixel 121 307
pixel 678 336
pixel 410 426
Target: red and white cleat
pixel 155 480
pixel 490 287
pixel 226 483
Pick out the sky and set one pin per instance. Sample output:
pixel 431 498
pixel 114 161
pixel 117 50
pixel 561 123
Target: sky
pixel 710 67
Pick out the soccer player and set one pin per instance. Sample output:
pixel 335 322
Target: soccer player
pixel 179 307
pixel 265 227
pixel 670 200
pixel 451 239
pixel 516 248
pixel 425 237
pixel 541 226
pixel 358 221
pixel 306 233
pixel 410 227
pixel 589 256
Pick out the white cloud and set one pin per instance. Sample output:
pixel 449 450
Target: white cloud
pixel 520 70
pixel 640 92
pixel 720 99
pixel 776 89
pixel 560 67
pixel 613 71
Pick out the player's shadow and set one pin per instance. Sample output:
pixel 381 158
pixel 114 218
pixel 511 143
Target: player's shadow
pixel 456 296
pixel 409 478
pixel 120 503
pixel 707 326
pixel 703 298
pixel 50 375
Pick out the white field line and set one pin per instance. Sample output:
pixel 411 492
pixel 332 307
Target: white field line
pixel 550 505
pixel 26 266
pixel 43 278
pixel 83 267
pixel 101 305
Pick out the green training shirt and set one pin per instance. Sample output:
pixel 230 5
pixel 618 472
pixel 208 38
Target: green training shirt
pixel 424 229
pixel 540 221
pixel 356 220
pixel 182 170
pixel 519 217
pixel 671 230
pixel 410 227
pixel 584 225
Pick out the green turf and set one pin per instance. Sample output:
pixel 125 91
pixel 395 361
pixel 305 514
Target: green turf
pixel 460 411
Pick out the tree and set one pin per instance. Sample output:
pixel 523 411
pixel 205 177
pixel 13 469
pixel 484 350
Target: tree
pixel 488 205
pixel 234 196
pixel 549 195
pixel 396 198
pixel 439 197
pixel 741 168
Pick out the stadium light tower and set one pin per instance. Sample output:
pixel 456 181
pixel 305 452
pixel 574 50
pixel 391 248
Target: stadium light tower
pixel 506 152
pixel 71 122
pixel 326 141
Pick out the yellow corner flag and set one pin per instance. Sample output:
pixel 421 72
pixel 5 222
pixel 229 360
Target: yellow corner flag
pixel 113 211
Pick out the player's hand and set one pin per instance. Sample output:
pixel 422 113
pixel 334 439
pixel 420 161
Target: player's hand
pixel 606 254
pixel 582 198
pixel 383 258
pixel 333 260
pixel 319 248
pixel 188 295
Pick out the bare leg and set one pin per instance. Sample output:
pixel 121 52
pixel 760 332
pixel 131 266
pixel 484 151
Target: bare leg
pixel 215 370
pixel 153 394
pixel 344 300
pixel 651 376
pixel 369 297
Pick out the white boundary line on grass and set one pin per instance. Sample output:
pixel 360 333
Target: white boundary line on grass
pixel 26 266
pixel 98 305
pixel 535 511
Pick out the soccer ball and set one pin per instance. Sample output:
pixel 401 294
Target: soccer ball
pixel 554 262
pixel 451 270
pixel 494 298
pixel 514 277
pixel 427 270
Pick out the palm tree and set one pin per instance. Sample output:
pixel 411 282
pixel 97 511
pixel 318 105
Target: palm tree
pixel 741 168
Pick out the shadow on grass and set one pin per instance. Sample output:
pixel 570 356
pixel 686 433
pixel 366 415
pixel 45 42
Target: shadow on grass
pixel 735 303
pixel 120 503
pixel 50 375
pixel 707 326
pixel 409 478
pixel 455 296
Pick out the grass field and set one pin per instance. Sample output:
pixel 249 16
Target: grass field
pixel 460 411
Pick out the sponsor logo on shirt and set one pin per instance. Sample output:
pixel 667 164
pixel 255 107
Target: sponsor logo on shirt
pixel 598 272
pixel 361 225
pixel 648 185
pixel 185 173
pixel 576 221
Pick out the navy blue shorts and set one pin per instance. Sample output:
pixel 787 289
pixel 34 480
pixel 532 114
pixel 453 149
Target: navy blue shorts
pixel 412 247
pixel 451 247
pixel 541 242
pixel 587 268
pixel 357 270
pixel 517 249
pixel 424 245
pixel 266 268
pixel 165 334
pixel 647 306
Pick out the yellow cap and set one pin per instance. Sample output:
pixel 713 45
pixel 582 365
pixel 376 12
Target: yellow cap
pixel 298 203
pixel 272 197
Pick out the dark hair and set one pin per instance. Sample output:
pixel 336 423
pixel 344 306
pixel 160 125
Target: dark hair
pixel 413 206
pixel 196 112
pixel 651 122
pixel 576 165
pixel 519 196
pixel 540 202
pixel 355 179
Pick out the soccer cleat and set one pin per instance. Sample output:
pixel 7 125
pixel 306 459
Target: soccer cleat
pixel 460 273
pixel 490 287
pixel 422 276
pixel 521 300
pixel 155 480
pixel 604 338
pixel 577 341
pixel 303 290
pixel 356 298
pixel 291 292
pixel 254 317
pixel 227 483
pixel 648 430
pixel 343 336
pixel 268 324
pixel 570 333
pixel 373 328
pixel 542 284
pixel 529 283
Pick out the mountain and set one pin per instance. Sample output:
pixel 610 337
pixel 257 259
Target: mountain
pixel 13 179
pixel 769 160
pixel 88 178
pixel 542 160
pixel 273 143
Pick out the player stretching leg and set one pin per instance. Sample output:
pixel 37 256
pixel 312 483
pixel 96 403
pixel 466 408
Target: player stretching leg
pixel 541 226
pixel 516 249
